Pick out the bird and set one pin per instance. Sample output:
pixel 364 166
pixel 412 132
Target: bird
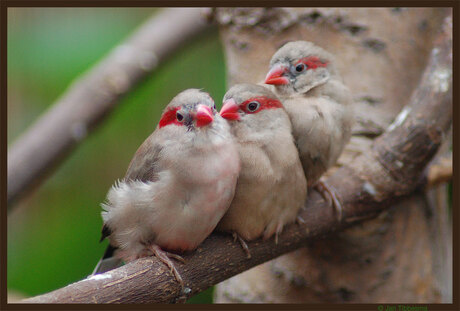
pixel 303 75
pixel 177 187
pixel 271 186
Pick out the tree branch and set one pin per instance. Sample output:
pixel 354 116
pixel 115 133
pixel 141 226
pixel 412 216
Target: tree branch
pixel 94 95
pixel 440 172
pixel 388 172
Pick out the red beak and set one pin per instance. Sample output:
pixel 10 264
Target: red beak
pixel 275 75
pixel 229 110
pixel 203 115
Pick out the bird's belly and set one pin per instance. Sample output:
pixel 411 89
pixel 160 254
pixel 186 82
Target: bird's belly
pixel 194 220
pixel 201 204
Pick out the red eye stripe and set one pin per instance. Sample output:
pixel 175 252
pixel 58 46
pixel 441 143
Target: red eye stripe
pixel 312 62
pixel 169 117
pixel 265 103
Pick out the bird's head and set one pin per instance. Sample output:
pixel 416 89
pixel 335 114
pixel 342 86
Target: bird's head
pixel 299 66
pixel 252 108
pixel 192 109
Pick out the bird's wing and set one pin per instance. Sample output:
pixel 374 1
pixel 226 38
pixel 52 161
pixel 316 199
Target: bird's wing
pixel 144 165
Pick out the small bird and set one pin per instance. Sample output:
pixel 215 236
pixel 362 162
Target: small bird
pixel 178 185
pixel 319 107
pixel 271 187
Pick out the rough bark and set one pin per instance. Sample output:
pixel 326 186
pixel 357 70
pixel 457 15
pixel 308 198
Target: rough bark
pixel 365 186
pixel 89 99
pixel 404 255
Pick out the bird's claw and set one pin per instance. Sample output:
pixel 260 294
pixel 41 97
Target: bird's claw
pixel 330 196
pixel 164 257
pixel 279 229
pixel 299 220
pixel 175 256
pixel 243 244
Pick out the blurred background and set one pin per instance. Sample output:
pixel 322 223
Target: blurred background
pixel 53 233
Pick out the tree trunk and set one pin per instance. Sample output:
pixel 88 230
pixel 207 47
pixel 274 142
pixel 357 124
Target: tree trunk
pixel 404 255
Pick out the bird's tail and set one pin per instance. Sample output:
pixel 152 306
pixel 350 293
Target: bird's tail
pixel 108 261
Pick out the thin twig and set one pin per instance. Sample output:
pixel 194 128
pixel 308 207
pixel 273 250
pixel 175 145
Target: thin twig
pixel 389 171
pixel 89 99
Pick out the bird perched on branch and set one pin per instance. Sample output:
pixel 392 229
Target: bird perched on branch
pixel 319 106
pixel 271 187
pixel 178 185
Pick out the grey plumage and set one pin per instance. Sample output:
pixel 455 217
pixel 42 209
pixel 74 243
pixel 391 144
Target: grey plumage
pixel 271 187
pixel 178 185
pixel 318 104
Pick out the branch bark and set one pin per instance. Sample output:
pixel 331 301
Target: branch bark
pixel 89 99
pixel 396 256
pixel 389 171
pixel 441 171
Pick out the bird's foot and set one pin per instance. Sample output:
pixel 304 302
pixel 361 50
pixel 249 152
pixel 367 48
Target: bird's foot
pixel 329 194
pixel 279 229
pixel 243 244
pixel 175 256
pixel 164 257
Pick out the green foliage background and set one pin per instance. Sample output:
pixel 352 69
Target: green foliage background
pixel 53 233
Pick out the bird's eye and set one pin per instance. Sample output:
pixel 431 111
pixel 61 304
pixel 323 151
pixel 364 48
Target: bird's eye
pixel 179 116
pixel 300 67
pixel 214 106
pixel 253 106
